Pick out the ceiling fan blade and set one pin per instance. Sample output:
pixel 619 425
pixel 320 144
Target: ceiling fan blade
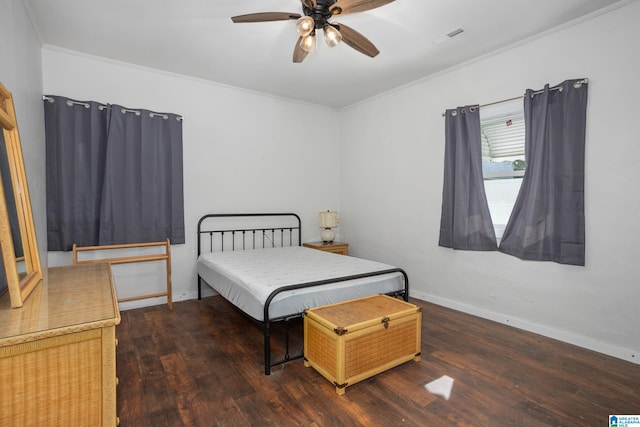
pixel 342 7
pixel 299 54
pixel 311 4
pixel 265 17
pixel 356 40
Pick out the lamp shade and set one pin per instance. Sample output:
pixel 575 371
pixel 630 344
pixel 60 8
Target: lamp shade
pixel 332 36
pixel 328 219
pixel 308 42
pixel 305 25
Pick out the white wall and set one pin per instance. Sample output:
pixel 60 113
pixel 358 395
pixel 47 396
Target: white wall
pixel 20 72
pixel 392 151
pixel 243 152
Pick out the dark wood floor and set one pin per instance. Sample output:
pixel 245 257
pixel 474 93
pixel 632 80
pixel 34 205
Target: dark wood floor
pixel 201 365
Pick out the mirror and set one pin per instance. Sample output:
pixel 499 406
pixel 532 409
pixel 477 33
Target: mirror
pixel 21 261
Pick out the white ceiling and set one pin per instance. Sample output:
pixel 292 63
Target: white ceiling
pixel 197 38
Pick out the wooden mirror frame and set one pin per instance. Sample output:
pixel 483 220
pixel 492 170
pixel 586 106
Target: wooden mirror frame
pixel 19 284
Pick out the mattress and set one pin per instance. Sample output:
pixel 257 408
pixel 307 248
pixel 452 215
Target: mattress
pixel 247 278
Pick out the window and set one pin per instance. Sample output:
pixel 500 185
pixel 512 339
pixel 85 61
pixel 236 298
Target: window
pixel 503 159
pixel 546 221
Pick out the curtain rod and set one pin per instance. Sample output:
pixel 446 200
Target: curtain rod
pixel 576 85
pixel 71 103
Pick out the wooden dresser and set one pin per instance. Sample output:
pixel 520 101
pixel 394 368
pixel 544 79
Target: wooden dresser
pixel 58 352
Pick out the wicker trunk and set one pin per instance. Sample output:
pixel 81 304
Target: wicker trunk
pixel 353 340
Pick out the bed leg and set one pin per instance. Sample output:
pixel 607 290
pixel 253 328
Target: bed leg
pixel 286 339
pixel 267 348
pixel 199 287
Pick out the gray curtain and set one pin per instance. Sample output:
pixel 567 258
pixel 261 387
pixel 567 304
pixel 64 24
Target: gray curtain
pixel 465 221
pixel 142 199
pixel 547 221
pixel 76 144
pixel 112 177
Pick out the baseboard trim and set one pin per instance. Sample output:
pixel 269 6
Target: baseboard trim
pixel 629 355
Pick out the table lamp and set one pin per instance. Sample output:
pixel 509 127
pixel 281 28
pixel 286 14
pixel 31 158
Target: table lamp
pixel 328 220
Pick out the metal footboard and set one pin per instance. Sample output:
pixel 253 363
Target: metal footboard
pixel 267 320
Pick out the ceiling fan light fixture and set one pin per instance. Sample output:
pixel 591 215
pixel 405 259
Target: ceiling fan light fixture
pixel 308 42
pixel 317 14
pixel 332 36
pixel 305 25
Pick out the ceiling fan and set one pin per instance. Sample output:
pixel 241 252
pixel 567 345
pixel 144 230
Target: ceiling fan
pixel 317 14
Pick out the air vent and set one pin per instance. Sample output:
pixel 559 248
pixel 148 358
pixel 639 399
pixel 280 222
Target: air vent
pixel 455 32
pixel 448 36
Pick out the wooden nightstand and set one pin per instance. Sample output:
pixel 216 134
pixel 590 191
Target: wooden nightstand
pixel 335 247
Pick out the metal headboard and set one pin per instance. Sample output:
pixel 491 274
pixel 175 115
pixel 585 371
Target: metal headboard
pixel 269 234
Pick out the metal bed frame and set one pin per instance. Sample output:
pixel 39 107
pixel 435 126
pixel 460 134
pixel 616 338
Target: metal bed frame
pixel 283 232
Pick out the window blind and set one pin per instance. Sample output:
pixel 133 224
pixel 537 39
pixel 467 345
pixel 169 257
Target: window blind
pixel 502 137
